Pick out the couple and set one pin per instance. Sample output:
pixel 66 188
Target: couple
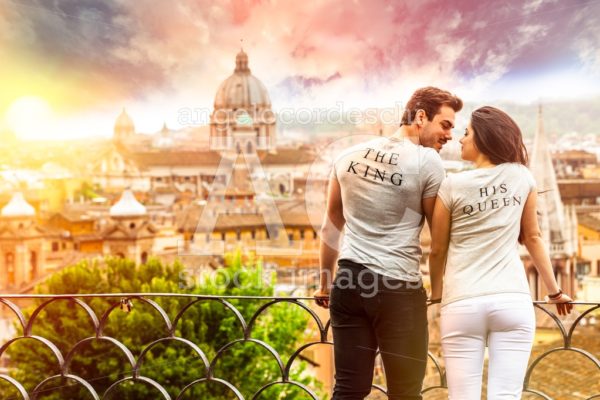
pixel 379 192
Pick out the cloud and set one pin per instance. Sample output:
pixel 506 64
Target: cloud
pixel 532 5
pixel 179 52
pixel 131 46
pixel 587 42
pixel 298 85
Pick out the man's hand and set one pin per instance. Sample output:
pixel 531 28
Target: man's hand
pixel 322 297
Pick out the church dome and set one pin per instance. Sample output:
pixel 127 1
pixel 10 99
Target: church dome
pixel 124 123
pixel 18 207
pixel 127 206
pixel 242 90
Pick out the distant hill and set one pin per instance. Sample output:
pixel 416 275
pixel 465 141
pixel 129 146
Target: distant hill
pixel 559 118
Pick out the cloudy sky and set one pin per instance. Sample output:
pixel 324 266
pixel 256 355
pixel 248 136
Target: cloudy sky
pixel 74 64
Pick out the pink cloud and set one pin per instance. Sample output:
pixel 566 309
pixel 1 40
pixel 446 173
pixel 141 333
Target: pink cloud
pixel 187 48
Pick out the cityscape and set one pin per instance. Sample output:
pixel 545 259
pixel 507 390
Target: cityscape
pixel 156 224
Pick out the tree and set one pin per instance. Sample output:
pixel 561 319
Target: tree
pixel 87 191
pixel 209 324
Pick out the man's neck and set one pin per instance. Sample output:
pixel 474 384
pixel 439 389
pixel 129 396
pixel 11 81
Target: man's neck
pixel 408 132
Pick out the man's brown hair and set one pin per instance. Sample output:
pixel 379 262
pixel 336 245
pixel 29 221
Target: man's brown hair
pixel 429 99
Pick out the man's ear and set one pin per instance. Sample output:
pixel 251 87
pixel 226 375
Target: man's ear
pixel 420 116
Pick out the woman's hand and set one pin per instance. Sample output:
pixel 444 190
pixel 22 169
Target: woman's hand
pixel 322 297
pixel 431 301
pixel 563 305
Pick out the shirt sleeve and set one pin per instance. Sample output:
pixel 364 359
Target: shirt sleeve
pixel 530 180
pixel 445 193
pixel 334 165
pixel 433 172
pixel 333 173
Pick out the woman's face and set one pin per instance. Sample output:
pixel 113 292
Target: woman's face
pixel 469 151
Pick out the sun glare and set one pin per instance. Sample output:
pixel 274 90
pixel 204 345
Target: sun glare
pixel 29 117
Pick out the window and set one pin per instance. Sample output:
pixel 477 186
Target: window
pixel 582 270
pixel 33 266
pixel 272 232
pixel 54 246
pixel 9 262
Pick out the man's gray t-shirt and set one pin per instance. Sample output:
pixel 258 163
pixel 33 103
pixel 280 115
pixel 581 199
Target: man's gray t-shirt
pixel 382 183
pixel 486 206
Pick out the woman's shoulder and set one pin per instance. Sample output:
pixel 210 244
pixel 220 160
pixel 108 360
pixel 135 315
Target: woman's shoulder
pixel 517 169
pixel 497 169
pixel 462 176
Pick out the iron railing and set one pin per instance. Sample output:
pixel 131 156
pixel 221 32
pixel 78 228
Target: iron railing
pixel 98 323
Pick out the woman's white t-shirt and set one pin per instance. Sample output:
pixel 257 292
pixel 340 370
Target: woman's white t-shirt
pixel 486 205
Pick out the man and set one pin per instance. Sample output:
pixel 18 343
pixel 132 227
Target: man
pixel 378 193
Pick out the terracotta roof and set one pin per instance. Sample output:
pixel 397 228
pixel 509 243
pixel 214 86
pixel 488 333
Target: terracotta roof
pixel 74 215
pixel 289 156
pixel 577 155
pixel 233 192
pixel 292 213
pixel 87 237
pixel 174 158
pixel 589 220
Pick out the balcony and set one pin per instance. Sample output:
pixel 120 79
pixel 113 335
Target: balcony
pixel 564 363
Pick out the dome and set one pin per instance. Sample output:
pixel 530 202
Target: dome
pixel 18 207
pixel 127 206
pixel 124 123
pixel 242 90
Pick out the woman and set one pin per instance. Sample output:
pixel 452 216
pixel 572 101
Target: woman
pixel 479 217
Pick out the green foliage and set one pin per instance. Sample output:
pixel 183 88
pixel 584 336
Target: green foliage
pixel 208 323
pixel 87 191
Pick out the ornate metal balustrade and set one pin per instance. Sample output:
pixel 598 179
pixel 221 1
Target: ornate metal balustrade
pixel 26 318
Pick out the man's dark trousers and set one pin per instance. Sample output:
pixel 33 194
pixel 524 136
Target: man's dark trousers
pixel 370 312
